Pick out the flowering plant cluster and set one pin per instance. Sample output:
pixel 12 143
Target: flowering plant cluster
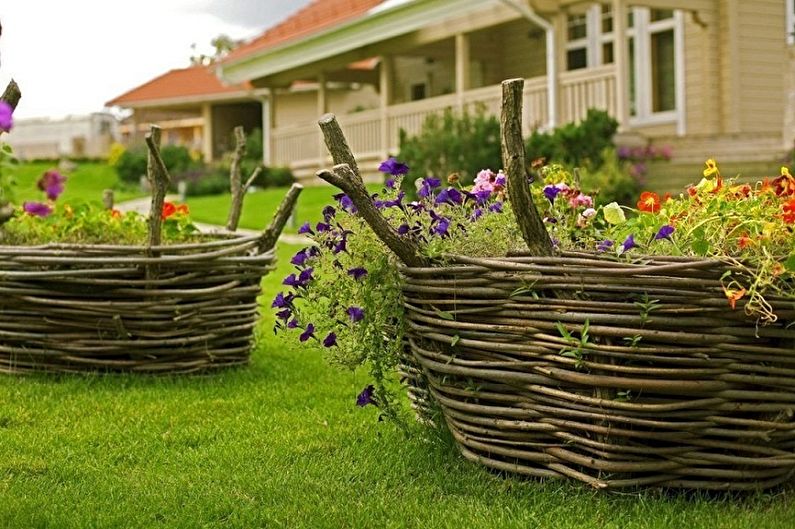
pixel 345 292
pixel 7 159
pixel 46 221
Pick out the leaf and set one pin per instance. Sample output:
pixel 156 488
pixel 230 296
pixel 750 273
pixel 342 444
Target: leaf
pixel 614 214
pixel 444 315
pixel 455 340
pixel 701 246
pixel 789 263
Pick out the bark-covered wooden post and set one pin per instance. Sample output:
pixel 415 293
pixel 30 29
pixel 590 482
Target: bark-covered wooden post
pixel 513 160
pixel 347 178
pixel 236 185
pixel 159 179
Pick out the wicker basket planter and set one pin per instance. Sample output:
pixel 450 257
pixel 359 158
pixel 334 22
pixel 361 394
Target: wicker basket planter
pixel 69 308
pixel 690 395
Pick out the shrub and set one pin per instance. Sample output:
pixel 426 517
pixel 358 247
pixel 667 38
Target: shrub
pixel 452 143
pixel 131 165
pixel 613 181
pixel 576 145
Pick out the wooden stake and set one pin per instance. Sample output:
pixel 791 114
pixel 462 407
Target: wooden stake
pixel 271 234
pixel 11 95
pixel 235 180
pixel 513 160
pixel 107 199
pixel 158 179
pixel 337 145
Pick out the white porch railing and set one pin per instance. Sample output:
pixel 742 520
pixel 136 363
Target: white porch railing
pixel 301 145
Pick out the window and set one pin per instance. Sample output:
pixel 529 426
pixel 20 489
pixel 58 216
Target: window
pixel 655 58
pixel 589 37
pixel 790 18
pixel 656 51
pixel 418 91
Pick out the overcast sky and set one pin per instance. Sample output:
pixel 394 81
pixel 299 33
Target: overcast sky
pixel 71 56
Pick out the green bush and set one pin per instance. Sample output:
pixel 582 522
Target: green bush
pixel 132 162
pixel 132 165
pixel 278 177
pixel 612 181
pixel 576 145
pixel 462 143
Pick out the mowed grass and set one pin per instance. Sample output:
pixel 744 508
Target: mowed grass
pixel 258 207
pixel 85 184
pixel 281 444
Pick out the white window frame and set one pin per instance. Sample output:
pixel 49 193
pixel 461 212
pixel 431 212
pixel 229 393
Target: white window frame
pixel 790 21
pixel 641 33
pixel 593 40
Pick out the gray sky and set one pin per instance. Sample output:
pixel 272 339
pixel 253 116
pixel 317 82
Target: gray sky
pixel 70 57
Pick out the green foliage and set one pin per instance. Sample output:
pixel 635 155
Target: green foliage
pixel 452 143
pixel 131 165
pixel 7 165
pixel 576 145
pixel 611 181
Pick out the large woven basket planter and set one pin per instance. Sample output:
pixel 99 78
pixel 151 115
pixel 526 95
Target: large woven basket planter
pixel 687 394
pixel 168 309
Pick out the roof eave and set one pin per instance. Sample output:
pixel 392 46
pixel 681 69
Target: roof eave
pixel 369 29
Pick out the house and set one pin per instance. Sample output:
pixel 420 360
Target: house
pixel 87 136
pixel 705 77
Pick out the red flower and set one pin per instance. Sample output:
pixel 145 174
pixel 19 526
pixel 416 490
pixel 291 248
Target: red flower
pixel 789 211
pixel 649 202
pixel 170 209
pixel 784 184
pixel 115 213
pixel 744 241
pixel 733 296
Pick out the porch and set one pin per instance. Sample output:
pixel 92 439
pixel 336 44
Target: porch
pixel 374 134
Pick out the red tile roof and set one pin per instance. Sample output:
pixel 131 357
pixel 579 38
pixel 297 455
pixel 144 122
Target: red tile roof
pixel 195 81
pixel 316 16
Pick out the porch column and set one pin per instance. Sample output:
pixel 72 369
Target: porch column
pixel 621 48
pixel 207 132
pixel 322 108
pixel 385 79
pixel 462 56
pixel 267 126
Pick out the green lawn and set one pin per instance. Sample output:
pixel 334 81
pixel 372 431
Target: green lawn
pixel 281 444
pixel 258 207
pixel 84 184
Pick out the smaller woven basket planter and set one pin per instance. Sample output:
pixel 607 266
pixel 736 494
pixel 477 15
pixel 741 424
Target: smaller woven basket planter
pixel 168 309
pixel 690 394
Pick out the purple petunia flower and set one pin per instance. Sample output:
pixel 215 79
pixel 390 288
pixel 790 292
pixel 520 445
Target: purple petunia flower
pixel 403 229
pixel 292 324
pixel 52 183
pixel 393 167
pixel 356 314
pixel 284 314
pixel 366 397
pixel 500 180
pixel 427 187
pixel 551 192
pixel 357 273
pixel 305 276
pixel 308 333
pixel 441 227
pixel 328 213
pixel 6 117
pixel 322 227
pixel 665 232
pixel 604 245
pixel 330 340
pixel 450 195
pixel 476 214
pixel 481 197
pixel 314 251
pixel 291 281
pixel 306 228
pixel 300 258
pixel 37 209
pixel 390 183
pixel 340 246
pixel 628 244
pixel 281 301
pixel 496 207
pixel 345 202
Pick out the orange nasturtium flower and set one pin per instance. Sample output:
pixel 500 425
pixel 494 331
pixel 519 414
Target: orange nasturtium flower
pixel 789 211
pixel 649 202
pixel 115 213
pixel 711 169
pixel 744 241
pixel 170 209
pixel 733 295
pixel 784 184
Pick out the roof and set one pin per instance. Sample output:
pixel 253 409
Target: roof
pixel 195 81
pixel 316 16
